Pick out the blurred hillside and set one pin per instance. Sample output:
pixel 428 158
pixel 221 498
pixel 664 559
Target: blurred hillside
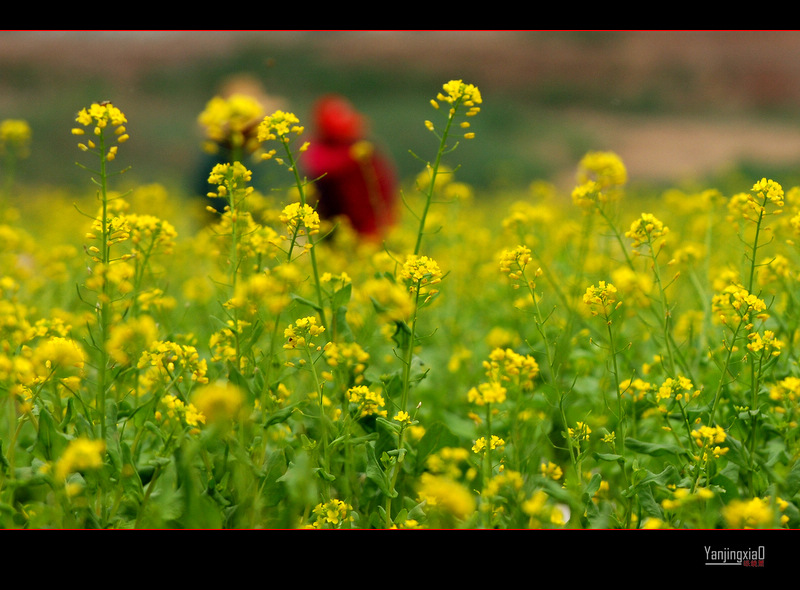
pixel 676 106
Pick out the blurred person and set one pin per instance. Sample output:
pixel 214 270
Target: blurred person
pixel 229 124
pixel 352 177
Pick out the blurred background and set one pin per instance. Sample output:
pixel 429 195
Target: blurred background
pixel 677 106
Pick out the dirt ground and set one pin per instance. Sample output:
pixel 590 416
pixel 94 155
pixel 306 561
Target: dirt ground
pixel 738 70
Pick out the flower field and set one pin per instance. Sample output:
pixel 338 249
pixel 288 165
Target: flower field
pixel 514 361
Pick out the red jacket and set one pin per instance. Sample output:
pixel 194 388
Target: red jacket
pixel 364 189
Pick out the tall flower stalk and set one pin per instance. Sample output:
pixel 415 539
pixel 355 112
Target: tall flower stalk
pixel 300 218
pixel 459 96
pixel 107 124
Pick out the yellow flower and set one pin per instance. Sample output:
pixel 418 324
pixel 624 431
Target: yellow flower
pixel 457 92
pixel 300 219
pixel 231 120
pixel 441 493
pixel 129 338
pixel 403 417
pixel 15 137
pixel 218 401
pixel 602 299
pixel 551 470
pixel 604 168
pixel 580 432
pixel 60 352
pixel 481 444
pixel 101 115
pixel 646 230
pixel 81 454
pixel 332 514
pixel 279 125
pixel 367 402
pixel 487 393
pixel 748 514
pixel 230 180
pixel 419 273
pixel 300 334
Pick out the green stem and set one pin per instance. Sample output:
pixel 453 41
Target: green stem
pixel 434 174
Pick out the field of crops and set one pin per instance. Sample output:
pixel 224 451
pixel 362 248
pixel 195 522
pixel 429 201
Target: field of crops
pixel 514 361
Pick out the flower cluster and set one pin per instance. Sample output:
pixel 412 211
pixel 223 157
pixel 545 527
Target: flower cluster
pixel 709 438
pixel 349 358
pixel 230 180
pixel 766 344
pixel 580 432
pixel 481 445
pixel 366 401
pixel 646 230
pixel 604 168
pixel 457 93
pixel 174 408
pixel 679 388
pixel 173 363
pixel 332 514
pixel 602 300
pixel 300 334
pixel 81 454
pixel 231 122
pixel 513 262
pixel 442 494
pixel 101 115
pixel 749 514
pixel 509 366
pixel 218 402
pixel 279 126
pixel 737 302
pixel 15 138
pixel 491 392
pixel 300 219
pixel 419 273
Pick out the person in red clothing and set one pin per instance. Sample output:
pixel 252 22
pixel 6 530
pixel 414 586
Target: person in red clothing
pixel 352 177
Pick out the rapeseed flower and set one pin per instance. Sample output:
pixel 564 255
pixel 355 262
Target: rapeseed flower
pixel 15 138
pixel 602 300
pixel 300 219
pixel 604 168
pixel 491 392
pixel 737 302
pixel 481 445
pixel 646 230
pixel 419 273
pixel 185 413
pixel 749 514
pixel 219 402
pixel 129 338
pixel 366 401
pixel 301 332
pixel 709 438
pixel 231 121
pixel 102 116
pixel 456 93
pixel 231 181
pixel 332 514
pixel 81 454
pixel 442 494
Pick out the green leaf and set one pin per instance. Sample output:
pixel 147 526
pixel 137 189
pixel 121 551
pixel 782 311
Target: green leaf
pixel 608 457
pixel 436 436
pixel 793 480
pixel 342 296
pixel 305 301
pixel 50 443
pixel 342 326
pixel 376 474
